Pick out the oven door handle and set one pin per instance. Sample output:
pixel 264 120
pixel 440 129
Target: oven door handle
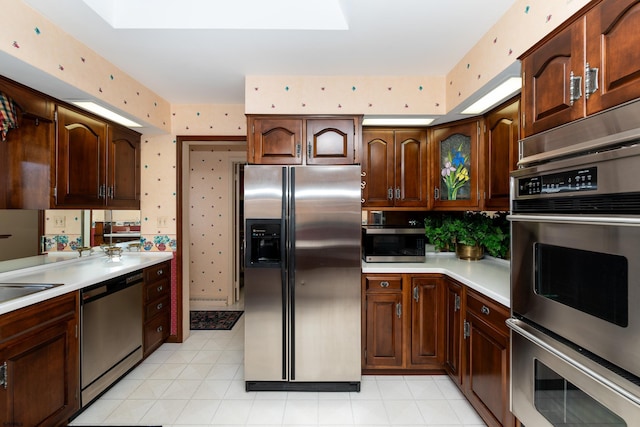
pixel 539 339
pixel 583 220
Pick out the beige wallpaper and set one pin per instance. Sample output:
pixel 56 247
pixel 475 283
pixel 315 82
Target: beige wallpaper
pixel 211 231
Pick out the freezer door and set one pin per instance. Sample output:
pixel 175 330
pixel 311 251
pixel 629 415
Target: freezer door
pixel 265 287
pixel 325 312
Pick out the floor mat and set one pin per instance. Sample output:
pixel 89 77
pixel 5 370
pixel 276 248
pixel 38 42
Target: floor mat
pixel 214 320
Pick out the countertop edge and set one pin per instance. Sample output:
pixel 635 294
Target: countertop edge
pixel 109 271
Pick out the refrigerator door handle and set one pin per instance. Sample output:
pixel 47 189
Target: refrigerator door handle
pixel 283 270
pixel 292 273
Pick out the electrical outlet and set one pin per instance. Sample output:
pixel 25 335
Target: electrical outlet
pixel 162 222
pixel 59 221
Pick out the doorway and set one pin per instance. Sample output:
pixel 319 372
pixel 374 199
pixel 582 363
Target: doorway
pixel 209 217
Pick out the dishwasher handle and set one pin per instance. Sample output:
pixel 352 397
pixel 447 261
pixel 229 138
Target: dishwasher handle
pixel 103 289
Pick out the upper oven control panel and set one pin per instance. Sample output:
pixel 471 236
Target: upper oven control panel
pixel 559 182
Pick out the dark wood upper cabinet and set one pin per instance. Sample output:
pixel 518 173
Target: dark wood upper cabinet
pixel 501 135
pixel 298 140
pixel 612 39
pixel 123 168
pixel 589 64
pixel 80 162
pixel 455 166
pixel 97 165
pixel 394 167
pixel 27 153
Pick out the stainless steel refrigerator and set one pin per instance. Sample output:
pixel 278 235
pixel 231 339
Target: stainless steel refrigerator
pixel 302 278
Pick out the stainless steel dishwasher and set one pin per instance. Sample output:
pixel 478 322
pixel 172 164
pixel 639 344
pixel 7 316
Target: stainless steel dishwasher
pixel 111 332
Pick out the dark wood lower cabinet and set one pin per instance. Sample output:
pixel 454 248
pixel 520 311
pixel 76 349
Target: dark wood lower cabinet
pixel 430 323
pixel 486 374
pixel 39 355
pixel 156 306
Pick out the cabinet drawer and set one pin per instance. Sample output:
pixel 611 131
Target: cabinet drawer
pixel 157 272
pixel 488 311
pixel 155 332
pixel 158 306
pixel 391 283
pixel 155 290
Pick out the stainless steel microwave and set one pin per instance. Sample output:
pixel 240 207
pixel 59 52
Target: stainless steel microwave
pixel 393 244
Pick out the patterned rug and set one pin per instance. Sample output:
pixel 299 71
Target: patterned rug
pixel 214 320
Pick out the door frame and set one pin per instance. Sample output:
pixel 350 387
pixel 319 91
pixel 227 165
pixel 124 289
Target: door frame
pixel 183 144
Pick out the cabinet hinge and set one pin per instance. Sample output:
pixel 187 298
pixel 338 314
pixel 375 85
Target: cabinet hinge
pixel 55 116
pixel 76 330
pixel 467 331
pixel 590 80
pixel 399 310
pixel 55 192
pixel 456 303
pixel 416 296
pixel 3 376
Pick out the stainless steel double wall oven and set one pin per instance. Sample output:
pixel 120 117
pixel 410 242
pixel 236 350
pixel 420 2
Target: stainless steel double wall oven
pixel 575 273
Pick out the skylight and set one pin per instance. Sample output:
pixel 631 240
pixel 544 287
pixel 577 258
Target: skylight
pixel 222 14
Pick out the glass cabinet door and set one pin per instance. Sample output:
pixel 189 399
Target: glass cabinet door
pixel 456 169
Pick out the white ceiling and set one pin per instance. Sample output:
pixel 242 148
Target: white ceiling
pixel 208 66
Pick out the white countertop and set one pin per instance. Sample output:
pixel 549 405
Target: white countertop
pixel 489 276
pixel 74 273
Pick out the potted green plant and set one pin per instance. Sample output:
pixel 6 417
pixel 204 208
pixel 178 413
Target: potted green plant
pixel 477 232
pixel 438 231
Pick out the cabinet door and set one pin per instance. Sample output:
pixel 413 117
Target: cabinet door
pixel 427 321
pixel 80 162
pixel 453 332
pixel 455 172
pixel 123 168
pixel 330 141
pixel 276 141
pixel 546 81
pixel 383 346
pixel 378 167
pixel 486 380
pixel 502 132
pixel 42 363
pixel 612 48
pixel 410 168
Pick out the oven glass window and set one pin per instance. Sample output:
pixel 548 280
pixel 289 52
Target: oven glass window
pixel 592 282
pixel 564 404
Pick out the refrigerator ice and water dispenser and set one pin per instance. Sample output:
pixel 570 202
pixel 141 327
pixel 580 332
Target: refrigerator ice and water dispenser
pixel 264 243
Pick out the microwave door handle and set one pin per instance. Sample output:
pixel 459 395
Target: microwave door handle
pixel 530 334
pixel 585 220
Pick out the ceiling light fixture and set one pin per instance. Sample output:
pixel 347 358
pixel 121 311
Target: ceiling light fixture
pixel 396 121
pixel 504 90
pixel 106 113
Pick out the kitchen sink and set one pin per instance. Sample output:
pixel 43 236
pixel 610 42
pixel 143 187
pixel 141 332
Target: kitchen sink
pixel 9 291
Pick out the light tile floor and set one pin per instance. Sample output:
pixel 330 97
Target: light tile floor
pixel 200 383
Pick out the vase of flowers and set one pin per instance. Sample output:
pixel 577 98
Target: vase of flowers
pixel 455 171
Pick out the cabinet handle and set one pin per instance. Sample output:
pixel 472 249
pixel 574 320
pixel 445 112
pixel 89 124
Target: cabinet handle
pixel 298 149
pixel 399 310
pixel 416 296
pixel 101 191
pixel 398 193
pixel 575 88
pixel 110 191
pixel 436 193
pixel 485 310
pixel 159 306
pixel 384 284
pixel 390 193
pixel 159 272
pixel 159 289
pixel 4 373
pixel 456 303
pixel 309 149
pixel 159 329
